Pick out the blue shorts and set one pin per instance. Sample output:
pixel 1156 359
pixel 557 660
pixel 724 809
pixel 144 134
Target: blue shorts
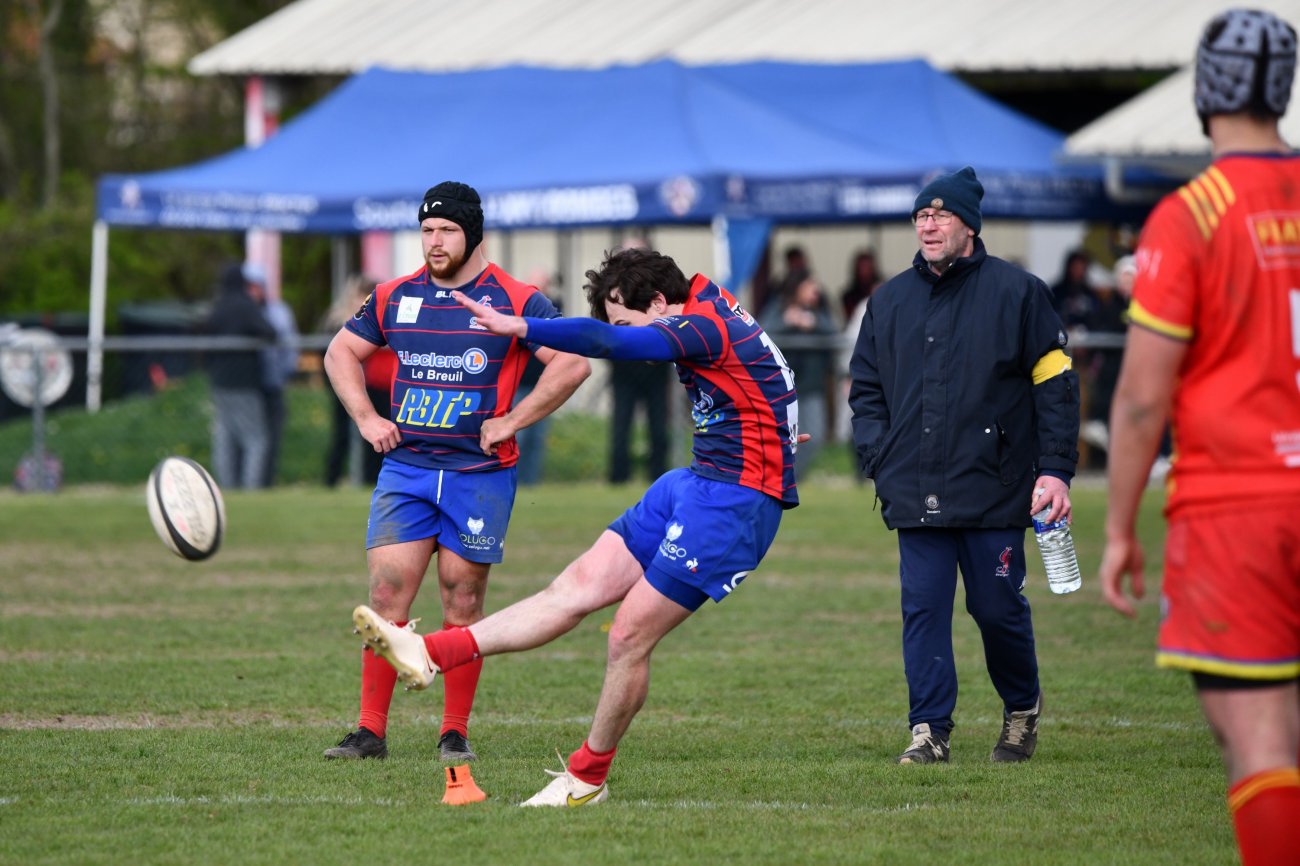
pixel 467 512
pixel 697 538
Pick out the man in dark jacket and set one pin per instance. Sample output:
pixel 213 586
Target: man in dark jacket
pixel 966 414
pixel 240 433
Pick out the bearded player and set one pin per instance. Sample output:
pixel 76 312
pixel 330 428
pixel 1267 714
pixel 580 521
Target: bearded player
pixel 695 534
pixel 1214 345
pixel 447 484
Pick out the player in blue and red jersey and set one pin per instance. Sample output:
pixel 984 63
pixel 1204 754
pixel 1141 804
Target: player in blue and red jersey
pixel 695 534
pixel 447 484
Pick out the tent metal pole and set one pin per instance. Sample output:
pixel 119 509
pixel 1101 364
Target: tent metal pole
pixel 722 254
pixel 98 300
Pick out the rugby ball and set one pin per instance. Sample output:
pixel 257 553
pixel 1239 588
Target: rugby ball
pixel 185 507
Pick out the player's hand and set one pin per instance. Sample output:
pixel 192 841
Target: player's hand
pixel 493 432
pixel 1051 492
pixel 496 323
pixel 381 433
pixel 802 438
pixel 1123 555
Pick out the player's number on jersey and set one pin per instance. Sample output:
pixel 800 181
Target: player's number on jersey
pixel 791 411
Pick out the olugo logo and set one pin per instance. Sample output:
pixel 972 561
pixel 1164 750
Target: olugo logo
pixel 474 539
pixel 668 547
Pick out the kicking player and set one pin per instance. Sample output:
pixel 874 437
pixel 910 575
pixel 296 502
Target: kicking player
pixel 1215 344
pixel 695 534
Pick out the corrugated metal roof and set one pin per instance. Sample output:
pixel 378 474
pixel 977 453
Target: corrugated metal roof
pixel 312 37
pixel 1159 127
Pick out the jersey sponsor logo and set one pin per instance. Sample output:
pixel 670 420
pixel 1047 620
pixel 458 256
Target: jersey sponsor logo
pixel 408 310
pixel 702 413
pixel 1276 236
pixel 741 313
pixel 475 539
pixel 365 305
pixel 486 301
pixel 443 368
pixel 433 407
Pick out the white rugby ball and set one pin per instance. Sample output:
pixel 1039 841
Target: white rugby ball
pixel 186 508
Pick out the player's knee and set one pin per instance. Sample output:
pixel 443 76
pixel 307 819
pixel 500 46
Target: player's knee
pixel 579 588
pixel 628 642
pixel 463 605
pixel 389 591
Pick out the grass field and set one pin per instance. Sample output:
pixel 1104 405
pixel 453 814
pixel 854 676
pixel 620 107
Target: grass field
pixel 154 711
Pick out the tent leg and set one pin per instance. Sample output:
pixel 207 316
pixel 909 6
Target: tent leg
pixel 98 300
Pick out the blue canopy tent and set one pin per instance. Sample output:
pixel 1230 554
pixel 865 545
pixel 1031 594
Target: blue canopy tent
pixel 740 146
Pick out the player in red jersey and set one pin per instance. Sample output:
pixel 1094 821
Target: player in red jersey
pixel 695 534
pixel 1214 346
pixel 447 484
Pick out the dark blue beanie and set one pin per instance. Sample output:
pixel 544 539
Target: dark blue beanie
pixel 959 192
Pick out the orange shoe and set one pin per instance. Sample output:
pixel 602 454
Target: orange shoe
pixel 461 788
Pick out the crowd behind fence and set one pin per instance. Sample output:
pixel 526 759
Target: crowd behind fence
pixel 155 404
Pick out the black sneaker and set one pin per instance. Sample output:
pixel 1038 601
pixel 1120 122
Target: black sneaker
pixel 454 748
pixel 361 743
pixel 927 747
pixel 1019 734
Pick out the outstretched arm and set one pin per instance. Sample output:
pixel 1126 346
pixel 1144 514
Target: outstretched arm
pixel 579 336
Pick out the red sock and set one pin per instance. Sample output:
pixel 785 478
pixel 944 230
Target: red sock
pixel 458 686
pixel 377 681
pixel 451 647
pixel 591 767
pixel 1265 810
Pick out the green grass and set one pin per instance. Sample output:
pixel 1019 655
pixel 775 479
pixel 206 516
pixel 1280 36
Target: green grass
pixel 158 711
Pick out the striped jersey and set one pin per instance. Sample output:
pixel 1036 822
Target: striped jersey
pixel 743 400
pixel 1219 268
pixel 451 373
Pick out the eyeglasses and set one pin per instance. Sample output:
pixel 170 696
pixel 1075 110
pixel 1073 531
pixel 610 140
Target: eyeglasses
pixel 940 217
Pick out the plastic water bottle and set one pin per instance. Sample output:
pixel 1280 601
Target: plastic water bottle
pixel 1057 547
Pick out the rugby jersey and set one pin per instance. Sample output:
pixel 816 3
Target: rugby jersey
pixel 451 374
pixel 1219 268
pixel 743 401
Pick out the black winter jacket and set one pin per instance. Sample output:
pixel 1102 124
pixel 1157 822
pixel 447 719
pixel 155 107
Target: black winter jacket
pixel 946 416
pixel 236 314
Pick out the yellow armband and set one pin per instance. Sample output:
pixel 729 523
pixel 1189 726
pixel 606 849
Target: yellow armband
pixel 1054 363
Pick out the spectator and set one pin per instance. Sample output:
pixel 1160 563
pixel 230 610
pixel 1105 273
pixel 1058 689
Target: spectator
pixel 240 432
pixel 797 323
pixel 1071 295
pixel 378 372
pixel 1107 320
pixel 773 290
pixel 532 439
pixel 863 280
pixel 645 384
pixel 279 363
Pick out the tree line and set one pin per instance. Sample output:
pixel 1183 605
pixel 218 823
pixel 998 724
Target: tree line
pixel 89 87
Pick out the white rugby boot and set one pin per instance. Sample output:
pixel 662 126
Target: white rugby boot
pixel 567 790
pixel 400 647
